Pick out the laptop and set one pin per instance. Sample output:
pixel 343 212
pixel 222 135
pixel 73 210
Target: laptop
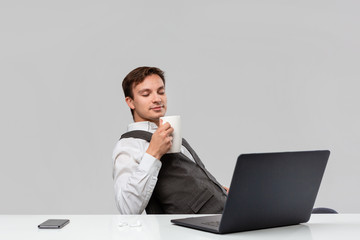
pixel 267 190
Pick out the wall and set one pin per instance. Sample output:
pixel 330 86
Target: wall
pixel 246 76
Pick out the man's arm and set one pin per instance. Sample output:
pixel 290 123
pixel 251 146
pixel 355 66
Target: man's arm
pixel 135 176
pixel 135 171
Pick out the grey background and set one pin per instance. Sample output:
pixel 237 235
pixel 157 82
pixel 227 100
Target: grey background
pixel 246 76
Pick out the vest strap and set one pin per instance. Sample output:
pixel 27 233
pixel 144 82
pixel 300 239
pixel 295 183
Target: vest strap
pixel 138 134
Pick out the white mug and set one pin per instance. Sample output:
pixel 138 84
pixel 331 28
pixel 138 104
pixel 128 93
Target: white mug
pixel 175 122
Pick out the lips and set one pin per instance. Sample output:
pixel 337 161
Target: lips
pixel 157 108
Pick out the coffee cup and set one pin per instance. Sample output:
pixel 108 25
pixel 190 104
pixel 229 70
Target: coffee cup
pixel 175 122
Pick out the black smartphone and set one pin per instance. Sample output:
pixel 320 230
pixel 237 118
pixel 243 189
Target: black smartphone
pixel 54 223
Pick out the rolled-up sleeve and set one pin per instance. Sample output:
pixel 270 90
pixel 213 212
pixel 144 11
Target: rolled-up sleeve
pixel 135 175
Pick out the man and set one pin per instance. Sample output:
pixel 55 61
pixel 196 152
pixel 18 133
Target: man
pixel 145 177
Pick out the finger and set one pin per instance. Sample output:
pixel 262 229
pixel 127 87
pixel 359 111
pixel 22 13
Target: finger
pixel 162 127
pixel 166 126
pixel 170 130
pixel 170 141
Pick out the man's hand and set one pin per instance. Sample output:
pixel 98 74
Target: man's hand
pixel 161 141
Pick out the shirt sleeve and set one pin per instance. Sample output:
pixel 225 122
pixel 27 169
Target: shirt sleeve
pixel 135 175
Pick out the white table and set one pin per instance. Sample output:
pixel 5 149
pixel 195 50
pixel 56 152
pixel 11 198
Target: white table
pixel 87 227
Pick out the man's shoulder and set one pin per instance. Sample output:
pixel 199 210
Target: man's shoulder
pixel 135 139
pixel 127 139
pixel 130 146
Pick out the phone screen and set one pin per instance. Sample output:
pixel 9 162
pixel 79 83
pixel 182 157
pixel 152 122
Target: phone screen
pixel 54 223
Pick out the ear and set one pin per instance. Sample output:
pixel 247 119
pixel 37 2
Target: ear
pixel 130 102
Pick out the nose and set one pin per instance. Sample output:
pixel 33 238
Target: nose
pixel 157 98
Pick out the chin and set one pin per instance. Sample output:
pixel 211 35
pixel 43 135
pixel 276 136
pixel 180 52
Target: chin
pixel 157 115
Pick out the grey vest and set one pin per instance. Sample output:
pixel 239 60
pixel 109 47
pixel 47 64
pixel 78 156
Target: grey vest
pixel 183 187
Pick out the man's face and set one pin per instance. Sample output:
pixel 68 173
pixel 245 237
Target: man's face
pixel 149 101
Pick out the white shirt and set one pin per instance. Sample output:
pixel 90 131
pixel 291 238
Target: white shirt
pixel 135 171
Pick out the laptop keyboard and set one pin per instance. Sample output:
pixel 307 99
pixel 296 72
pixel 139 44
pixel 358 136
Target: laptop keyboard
pixel 212 224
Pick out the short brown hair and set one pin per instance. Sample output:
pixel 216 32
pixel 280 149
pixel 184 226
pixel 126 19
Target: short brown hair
pixel 136 77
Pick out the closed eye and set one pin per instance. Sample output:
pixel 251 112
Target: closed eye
pixel 161 91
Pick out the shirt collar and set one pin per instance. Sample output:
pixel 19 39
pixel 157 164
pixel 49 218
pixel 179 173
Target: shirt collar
pixel 144 126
